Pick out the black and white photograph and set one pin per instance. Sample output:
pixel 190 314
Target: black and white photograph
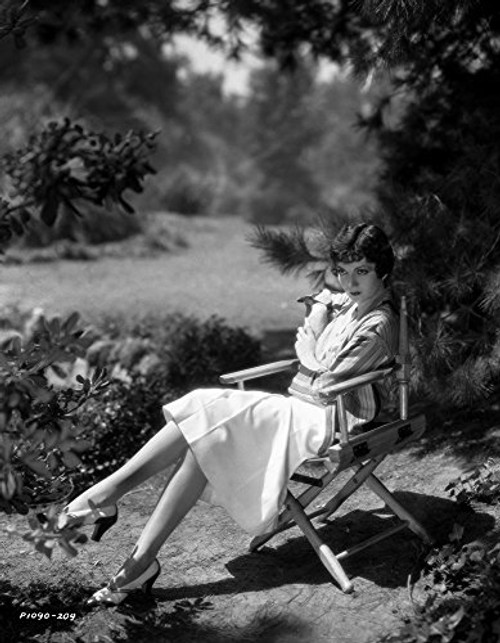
pixel 249 321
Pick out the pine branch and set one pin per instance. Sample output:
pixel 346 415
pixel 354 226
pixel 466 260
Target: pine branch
pixel 471 382
pixel 490 302
pixel 287 250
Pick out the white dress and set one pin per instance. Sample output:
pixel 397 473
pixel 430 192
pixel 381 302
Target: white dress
pixel 248 443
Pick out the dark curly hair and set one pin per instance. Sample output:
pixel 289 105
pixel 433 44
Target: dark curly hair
pixel 363 241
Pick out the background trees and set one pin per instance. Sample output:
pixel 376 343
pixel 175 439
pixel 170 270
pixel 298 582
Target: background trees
pixel 437 189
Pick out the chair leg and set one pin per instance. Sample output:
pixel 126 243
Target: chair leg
pixel 258 541
pixel 324 552
pixel 348 489
pixel 286 519
pixel 382 492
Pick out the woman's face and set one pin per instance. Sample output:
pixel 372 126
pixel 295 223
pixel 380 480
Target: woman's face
pixel 359 280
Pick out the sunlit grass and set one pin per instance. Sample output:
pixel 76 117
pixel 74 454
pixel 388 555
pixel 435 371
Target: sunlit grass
pixel 218 273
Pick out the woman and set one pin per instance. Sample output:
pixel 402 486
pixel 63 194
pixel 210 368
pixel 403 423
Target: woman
pixel 238 449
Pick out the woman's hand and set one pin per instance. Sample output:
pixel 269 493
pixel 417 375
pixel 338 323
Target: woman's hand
pixel 317 319
pixel 305 347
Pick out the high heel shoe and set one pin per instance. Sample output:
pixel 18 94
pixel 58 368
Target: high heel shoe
pixel 113 595
pixel 102 517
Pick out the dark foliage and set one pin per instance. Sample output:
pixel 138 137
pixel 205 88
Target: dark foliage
pixel 482 484
pixel 65 164
pixel 438 186
pixel 463 598
pixel 118 424
pixel 39 435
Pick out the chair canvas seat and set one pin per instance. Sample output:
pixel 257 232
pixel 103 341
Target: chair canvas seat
pixel 362 453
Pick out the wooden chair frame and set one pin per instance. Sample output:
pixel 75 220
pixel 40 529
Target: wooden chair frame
pixel 362 453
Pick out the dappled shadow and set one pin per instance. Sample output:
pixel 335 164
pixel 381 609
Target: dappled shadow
pixel 386 564
pixel 38 608
pixel 181 626
pixel 31 613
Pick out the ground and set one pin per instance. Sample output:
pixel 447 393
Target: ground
pixel 211 589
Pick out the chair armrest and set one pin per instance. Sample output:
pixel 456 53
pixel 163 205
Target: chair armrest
pixel 360 380
pixel 258 371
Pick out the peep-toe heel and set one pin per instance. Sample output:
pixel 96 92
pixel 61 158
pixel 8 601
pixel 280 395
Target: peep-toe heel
pixel 103 518
pixel 148 585
pixel 102 525
pixel 113 595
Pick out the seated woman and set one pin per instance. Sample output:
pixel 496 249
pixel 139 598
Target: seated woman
pixel 238 449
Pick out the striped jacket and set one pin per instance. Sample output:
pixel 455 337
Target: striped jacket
pixel 347 346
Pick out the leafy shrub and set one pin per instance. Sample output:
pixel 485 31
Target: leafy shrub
pixel 96 226
pixel 38 433
pixel 198 353
pixel 187 191
pixel 192 352
pixel 461 582
pixel 158 360
pixel 118 424
pixel 463 598
pixel 482 484
pixel 64 165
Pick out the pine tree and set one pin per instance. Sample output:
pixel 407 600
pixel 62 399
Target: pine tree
pixel 439 186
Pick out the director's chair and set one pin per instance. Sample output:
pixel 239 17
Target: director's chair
pixel 362 453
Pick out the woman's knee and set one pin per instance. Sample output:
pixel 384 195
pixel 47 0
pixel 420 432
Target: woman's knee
pixel 191 468
pixel 172 432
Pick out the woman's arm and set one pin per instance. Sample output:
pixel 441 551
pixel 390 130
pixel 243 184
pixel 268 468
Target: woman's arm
pixel 321 307
pixel 367 351
pixel 305 348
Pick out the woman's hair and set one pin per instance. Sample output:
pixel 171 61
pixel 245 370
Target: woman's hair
pixel 363 241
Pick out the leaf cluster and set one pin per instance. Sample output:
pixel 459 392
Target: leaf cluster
pixel 462 585
pixel 65 164
pixel 482 484
pixel 38 435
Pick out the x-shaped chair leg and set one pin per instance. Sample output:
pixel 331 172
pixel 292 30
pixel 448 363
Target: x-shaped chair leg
pixel 324 552
pixel 373 483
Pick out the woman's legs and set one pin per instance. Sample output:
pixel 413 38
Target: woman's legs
pixel 178 497
pixel 161 451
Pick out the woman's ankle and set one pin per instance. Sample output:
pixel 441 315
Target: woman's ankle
pixel 133 567
pixel 84 503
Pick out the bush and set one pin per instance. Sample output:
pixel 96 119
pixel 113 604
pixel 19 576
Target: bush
pixel 97 225
pixel 461 581
pixel 482 484
pixel 158 360
pixel 39 437
pixel 463 598
pixel 118 424
pixel 187 191
pixel 198 353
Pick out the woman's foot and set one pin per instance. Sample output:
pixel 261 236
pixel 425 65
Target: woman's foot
pixel 102 517
pixel 117 590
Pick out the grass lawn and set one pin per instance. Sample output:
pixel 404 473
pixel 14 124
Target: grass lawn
pixel 218 273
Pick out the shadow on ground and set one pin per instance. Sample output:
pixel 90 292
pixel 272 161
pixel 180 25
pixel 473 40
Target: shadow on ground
pixel 469 435
pixel 386 564
pixel 182 614
pixel 34 614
